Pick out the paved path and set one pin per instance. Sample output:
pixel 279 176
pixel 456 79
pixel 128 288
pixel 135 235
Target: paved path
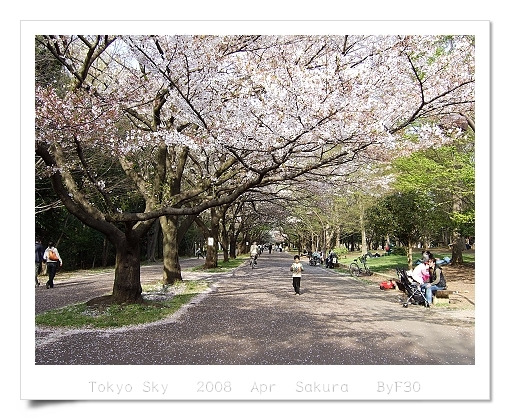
pixel 253 317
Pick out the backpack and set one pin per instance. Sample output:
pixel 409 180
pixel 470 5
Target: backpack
pixel 386 285
pixel 52 255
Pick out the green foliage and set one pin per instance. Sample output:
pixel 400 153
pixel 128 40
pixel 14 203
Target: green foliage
pixel 404 216
pixel 446 176
pixel 399 250
pixel 341 251
pixel 79 245
pixel 465 222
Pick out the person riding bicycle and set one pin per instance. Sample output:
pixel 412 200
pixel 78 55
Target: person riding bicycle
pixel 254 251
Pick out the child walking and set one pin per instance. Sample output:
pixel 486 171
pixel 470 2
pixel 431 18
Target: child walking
pixel 296 268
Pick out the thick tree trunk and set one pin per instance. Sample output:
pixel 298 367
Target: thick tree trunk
pixel 232 245
pixel 459 244
pixel 211 258
pixel 127 287
pixel 225 255
pixel 171 265
pixel 245 245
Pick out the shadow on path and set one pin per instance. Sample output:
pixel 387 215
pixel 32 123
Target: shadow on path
pixel 253 317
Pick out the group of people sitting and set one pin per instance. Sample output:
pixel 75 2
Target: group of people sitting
pixel 429 275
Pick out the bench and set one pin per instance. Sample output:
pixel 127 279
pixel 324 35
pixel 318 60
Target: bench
pixel 441 296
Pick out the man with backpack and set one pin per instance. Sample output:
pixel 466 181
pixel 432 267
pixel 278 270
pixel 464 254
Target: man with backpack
pixel 53 261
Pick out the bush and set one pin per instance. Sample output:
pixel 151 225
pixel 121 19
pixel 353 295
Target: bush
pixel 399 250
pixel 341 251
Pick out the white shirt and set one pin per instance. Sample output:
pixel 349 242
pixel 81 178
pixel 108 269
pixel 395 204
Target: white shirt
pixel 421 273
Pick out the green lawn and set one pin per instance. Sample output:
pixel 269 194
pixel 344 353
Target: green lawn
pixel 387 264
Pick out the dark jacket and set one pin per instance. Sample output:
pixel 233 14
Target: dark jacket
pixel 437 277
pixel 39 252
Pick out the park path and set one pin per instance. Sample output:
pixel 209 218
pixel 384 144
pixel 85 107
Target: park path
pixel 253 317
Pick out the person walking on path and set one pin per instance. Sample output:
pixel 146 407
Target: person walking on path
pixel 296 268
pixel 254 253
pixel 53 261
pixel 39 253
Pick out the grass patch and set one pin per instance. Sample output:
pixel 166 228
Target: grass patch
pixel 388 263
pixel 159 302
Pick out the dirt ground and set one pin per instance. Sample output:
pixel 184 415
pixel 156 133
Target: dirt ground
pixel 461 279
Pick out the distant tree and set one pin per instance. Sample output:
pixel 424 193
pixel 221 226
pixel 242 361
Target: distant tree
pixel 404 216
pixel 446 175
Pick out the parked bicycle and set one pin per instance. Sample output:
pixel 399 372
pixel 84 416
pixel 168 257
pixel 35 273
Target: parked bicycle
pixel 359 267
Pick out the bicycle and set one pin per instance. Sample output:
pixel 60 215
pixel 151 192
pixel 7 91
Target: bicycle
pixel 253 261
pixel 356 270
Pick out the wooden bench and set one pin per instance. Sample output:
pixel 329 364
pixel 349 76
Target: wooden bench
pixel 441 296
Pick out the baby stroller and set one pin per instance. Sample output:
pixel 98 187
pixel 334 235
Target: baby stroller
pixel 412 289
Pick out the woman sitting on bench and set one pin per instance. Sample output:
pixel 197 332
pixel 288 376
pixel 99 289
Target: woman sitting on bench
pixel 436 281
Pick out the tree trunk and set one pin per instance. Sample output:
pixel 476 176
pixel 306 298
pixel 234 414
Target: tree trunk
pixel 245 245
pixel 224 236
pixel 211 259
pixel 106 246
pixel 225 255
pixel 171 265
pixel 153 239
pixel 126 286
pixel 364 248
pixel 328 238
pixel 409 255
pixel 459 244
pixel 232 244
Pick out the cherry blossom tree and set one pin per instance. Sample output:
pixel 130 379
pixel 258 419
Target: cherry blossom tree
pixel 195 121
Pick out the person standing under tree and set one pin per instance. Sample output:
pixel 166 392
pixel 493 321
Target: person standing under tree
pixel 296 268
pixel 52 258
pixel 39 253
